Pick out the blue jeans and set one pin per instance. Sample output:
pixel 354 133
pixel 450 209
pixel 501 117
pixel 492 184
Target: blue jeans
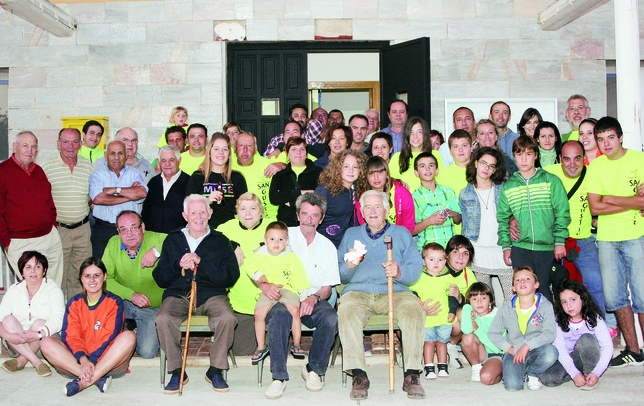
pixel 325 320
pixel 278 326
pixel 619 262
pixel 278 329
pixel 147 340
pixel 588 265
pixel 536 363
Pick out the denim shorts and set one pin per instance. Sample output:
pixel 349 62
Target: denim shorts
pixel 439 333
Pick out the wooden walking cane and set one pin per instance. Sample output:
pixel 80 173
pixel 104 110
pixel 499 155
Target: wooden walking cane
pixel 390 297
pixel 193 295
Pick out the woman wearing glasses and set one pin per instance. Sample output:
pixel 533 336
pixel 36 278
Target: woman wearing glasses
pixel 485 173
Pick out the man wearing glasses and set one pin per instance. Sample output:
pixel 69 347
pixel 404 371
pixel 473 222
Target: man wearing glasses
pixel 576 112
pixel 131 140
pixel 112 189
pixel 130 259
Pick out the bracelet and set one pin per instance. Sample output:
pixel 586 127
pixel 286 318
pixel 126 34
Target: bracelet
pixel 39 335
pixel 318 296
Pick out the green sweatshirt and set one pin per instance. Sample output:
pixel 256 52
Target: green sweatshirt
pixel 540 205
pixel 125 276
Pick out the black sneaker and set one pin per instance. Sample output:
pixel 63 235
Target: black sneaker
pixel 626 358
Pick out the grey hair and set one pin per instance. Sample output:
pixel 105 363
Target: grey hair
pixel 25 132
pixel 578 96
pixel 113 142
pixel 194 198
pixel 314 199
pixel 172 148
pixel 383 195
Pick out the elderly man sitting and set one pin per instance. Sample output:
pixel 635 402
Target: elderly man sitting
pixel 366 293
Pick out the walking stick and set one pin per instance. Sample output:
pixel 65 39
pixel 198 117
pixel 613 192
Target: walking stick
pixel 390 297
pixel 193 295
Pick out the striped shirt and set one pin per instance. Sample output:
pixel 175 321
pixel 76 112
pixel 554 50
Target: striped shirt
pixel 69 189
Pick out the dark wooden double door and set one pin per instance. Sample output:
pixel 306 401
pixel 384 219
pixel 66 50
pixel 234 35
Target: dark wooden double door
pixel 274 74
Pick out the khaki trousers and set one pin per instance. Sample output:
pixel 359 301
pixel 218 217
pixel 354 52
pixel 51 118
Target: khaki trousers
pixel 354 312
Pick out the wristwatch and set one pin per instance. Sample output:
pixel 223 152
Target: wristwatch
pixel 118 192
pixel 156 252
pixel 318 296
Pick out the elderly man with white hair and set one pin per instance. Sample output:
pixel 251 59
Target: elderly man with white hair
pixel 196 248
pixel 365 293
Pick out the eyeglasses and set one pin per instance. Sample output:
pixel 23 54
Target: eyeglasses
pixel 578 108
pixel 133 140
pixel 132 230
pixel 487 165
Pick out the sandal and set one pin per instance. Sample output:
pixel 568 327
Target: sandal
pixel 259 356
pixel 297 352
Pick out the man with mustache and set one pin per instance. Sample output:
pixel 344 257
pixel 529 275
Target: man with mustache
pixel 576 112
pixel 317 310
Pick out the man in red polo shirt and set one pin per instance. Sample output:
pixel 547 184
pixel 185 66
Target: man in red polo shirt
pixel 27 210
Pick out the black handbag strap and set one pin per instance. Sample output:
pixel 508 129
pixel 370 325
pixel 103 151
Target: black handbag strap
pixel 577 184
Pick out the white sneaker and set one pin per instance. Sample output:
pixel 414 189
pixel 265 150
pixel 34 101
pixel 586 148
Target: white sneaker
pixel 312 380
pixel 534 383
pixel 476 372
pixel 430 372
pixel 276 389
pixel 454 356
pixel 442 371
pixel 368 353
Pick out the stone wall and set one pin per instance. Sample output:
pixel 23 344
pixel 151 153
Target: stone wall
pixel 133 61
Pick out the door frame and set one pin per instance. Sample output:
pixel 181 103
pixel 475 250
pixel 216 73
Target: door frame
pixel 285 46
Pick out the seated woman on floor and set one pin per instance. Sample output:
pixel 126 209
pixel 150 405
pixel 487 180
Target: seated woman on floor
pixel 93 349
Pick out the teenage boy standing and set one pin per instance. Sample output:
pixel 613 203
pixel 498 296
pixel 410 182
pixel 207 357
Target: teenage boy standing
pixel 615 195
pixel 538 201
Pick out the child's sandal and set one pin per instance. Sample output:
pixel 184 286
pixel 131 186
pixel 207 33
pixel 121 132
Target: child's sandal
pixel 297 352
pixel 259 356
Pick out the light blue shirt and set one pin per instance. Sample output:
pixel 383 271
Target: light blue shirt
pixel 395 137
pixel 102 178
pixel 505 141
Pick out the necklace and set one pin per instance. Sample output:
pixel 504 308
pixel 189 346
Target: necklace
pixel 487 199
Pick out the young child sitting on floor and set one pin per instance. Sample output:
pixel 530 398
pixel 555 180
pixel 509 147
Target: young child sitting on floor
pixel 525 328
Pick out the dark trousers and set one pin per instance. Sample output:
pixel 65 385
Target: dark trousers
pixel 585 355
pixel 278 325
pixel 540 262
pixel 101 235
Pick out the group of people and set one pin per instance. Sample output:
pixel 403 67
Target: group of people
pixel 123 237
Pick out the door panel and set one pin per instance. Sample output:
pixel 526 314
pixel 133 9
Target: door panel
pixel 264 73
pixel 405 69
pixel 274 70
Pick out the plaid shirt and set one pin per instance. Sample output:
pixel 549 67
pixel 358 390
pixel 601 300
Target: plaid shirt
pixel 311 136
pixel 427 203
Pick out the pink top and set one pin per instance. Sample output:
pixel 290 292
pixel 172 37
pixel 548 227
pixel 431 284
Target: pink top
pixel 403 206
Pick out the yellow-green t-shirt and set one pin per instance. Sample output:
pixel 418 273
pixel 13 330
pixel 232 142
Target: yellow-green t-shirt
pixel 285 269
pixel 581 219
pixel 617 178
pixel 523 316
pixel 409 177
pixel 243 295
pixel 436 288
pixel 190 164
pixel 258 183
pixel 454 177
